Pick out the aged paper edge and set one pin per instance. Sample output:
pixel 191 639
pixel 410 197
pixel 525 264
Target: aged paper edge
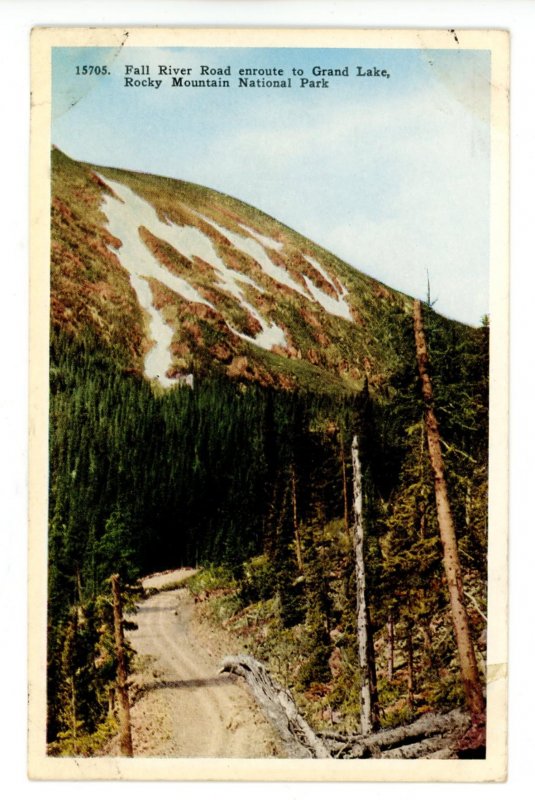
pixel 494 767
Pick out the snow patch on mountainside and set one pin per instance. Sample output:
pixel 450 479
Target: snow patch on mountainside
pixel 126 213
pixel 265 241
pixel 269 336
pixel 317 266
pixel 332 305
pixel 337 306
pixel 255 244
pixel 157 360
pixel 253 248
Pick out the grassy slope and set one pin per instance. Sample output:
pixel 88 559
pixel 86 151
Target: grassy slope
pixel 90 289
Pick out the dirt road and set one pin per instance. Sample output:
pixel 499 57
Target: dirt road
pixel 184 707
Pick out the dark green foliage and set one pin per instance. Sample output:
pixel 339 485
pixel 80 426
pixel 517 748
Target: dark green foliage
pixel 316 668
pixel 140 482
pixel 258 580
pixel 227 472
pixel 319 605
pixel 81 675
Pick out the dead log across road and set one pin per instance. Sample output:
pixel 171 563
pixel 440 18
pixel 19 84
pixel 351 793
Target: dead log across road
pixel 279 706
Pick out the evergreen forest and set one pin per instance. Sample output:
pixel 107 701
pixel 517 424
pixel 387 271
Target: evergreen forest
pixel 253 482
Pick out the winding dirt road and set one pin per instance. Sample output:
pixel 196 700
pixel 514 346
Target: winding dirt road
pixel 184 707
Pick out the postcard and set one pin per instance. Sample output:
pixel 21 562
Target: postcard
pixel 268 434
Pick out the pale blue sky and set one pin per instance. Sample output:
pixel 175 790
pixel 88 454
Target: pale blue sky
pixel 390 174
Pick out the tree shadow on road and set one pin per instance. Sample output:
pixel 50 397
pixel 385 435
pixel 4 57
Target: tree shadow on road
pixel 193 683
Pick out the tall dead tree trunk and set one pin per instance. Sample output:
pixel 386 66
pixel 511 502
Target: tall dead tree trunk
pixel 369 713
pixel 344 483
pixel 125 730
pixel 452 567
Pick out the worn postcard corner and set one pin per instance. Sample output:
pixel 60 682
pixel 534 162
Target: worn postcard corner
pixel 268 434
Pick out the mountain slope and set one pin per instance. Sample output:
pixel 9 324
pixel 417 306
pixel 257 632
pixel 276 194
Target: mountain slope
pixel 179 279
pixel 291 352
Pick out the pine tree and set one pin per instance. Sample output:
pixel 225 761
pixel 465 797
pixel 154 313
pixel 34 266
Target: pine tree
pixel 467 659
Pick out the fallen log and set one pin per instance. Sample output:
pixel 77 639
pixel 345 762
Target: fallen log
pixel 427 748
pixel 425 727
pixel 279 706
pixel 446 753
pixel 431 736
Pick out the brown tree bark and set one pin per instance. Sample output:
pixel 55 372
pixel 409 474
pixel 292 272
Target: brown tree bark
pixel 452 567
pixel 125 730
pixel 369 712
